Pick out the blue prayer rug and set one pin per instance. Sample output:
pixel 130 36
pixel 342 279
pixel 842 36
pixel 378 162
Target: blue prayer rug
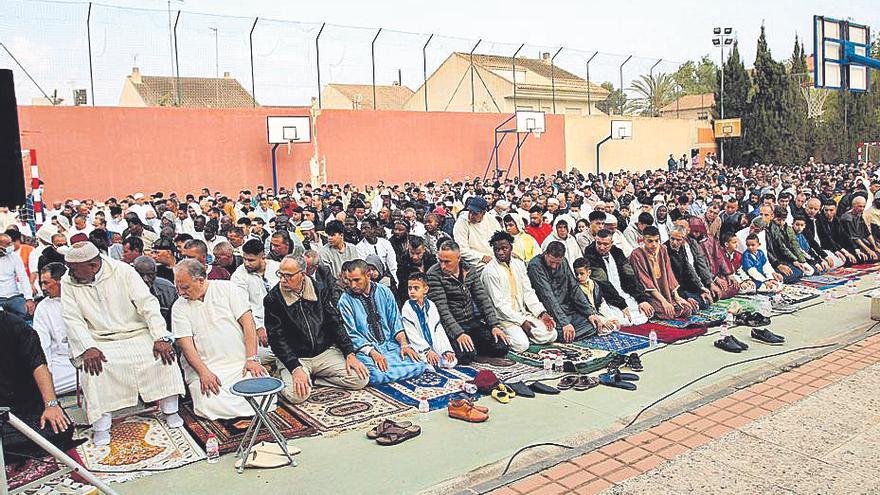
pixel 617 342
pixel 437 386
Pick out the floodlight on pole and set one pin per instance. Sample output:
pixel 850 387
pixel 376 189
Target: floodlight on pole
pixel 722 40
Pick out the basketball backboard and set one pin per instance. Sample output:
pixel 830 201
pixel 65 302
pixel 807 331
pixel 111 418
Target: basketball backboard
pixel 834 43
pixel 285 130
pixel 527 121
pixel 621 129
pixel 725 128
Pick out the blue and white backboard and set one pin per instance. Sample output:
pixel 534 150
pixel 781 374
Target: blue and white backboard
pixel 839 49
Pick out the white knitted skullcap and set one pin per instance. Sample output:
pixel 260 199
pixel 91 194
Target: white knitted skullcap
pixel 81 252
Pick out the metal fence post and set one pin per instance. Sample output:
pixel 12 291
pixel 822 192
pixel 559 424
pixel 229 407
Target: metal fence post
pixel 425 68
pixel 253 80
pixel 473 97
pixel 589 86
pixel 514 76
pixel 620 100
pixel 373 61
pixel 318 61
pixel 651 77
pixel 89 37
pixel 176 59
pixel 553 78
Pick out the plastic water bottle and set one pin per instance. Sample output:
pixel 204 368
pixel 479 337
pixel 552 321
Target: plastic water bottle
pixel 559 364
pixel 548 364
pixel 652 338
pixel 212 448
pixel 725 330
pixel 424 407
pixel 828 296
pixel 851 288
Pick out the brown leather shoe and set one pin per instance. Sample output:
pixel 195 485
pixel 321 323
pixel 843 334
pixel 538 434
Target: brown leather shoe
pixel 482 409
pixel 465 411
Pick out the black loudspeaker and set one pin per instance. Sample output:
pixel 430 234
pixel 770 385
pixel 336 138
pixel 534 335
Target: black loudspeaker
pixel 12 184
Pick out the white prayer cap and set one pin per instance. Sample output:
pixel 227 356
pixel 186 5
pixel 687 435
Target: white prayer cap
pixel 611 219
pixel 307 225
pixel 659 199
pixel 81 252
pixel 46 232
pixel 138 195
pixel 552 201
pixel 63 221
pixel 503 203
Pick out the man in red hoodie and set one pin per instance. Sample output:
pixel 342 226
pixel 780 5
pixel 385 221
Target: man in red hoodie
pixel 538 228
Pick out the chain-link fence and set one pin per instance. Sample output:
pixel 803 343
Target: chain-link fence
pixel 59 49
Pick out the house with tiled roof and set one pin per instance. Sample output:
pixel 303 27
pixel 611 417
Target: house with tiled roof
pixel 189 92
pixel 360 96
pixel 538 84
pixel 691 107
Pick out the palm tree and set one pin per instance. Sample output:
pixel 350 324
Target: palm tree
pixel 654 93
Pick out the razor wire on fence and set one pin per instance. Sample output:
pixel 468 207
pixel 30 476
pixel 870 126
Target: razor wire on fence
pixel 61 49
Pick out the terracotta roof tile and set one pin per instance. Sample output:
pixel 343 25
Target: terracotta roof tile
pixel 195 92
pixel 691 102
pixel 391 97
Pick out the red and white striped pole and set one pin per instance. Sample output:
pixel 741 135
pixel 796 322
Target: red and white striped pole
pixel 36 190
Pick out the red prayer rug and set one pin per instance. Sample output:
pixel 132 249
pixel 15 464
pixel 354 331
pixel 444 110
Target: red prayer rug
pixel 666 334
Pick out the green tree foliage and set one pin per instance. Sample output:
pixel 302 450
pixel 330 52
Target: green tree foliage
pixel 766 139
pixel 653 93
pixel 797 130
pixel 616 103
pixel 737 103
pixel 695 78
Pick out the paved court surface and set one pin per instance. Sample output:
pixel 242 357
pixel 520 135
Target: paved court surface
pixel 452 456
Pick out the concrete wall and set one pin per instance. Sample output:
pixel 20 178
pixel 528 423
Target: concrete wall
pixel 109 151
pixel 653 140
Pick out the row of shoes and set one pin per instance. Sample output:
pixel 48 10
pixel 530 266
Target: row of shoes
pixel 751 319
pixel 613 377
pixel 762 335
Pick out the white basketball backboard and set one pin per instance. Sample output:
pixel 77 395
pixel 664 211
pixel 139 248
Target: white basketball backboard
pixel 283 130
pixel 527 121
pixel 831 71
pixel 621 129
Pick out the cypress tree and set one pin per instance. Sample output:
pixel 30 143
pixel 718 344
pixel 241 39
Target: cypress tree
pixel 737 87
pixel 765 141
pixel 796 127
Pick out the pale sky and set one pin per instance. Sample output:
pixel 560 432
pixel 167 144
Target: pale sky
pixel 674 31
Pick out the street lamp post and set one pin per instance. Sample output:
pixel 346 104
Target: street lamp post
pixel 722 37
pixel 216 66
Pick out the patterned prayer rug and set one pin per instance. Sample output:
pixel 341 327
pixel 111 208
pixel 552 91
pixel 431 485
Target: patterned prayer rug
pixel 57 486
pixel 437 386
pixel 587 360
pixel 665 333
pixel 336 409
pixel 229 432
pixel 712 316
pixel 620 343
pixel 140 445
pixel 31 471
pixel 794 294
pixel 518 372
pixel 825 280
pixel 746 303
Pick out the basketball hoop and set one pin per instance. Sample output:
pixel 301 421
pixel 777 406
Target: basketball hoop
pixel 815 99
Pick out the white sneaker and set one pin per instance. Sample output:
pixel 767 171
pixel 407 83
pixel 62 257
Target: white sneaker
pixel 174 420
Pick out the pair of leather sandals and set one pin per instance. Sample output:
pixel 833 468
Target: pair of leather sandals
pixel 614 378
pixel 390 432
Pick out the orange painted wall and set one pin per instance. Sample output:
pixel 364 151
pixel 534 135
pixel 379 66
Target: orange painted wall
pixel 109 151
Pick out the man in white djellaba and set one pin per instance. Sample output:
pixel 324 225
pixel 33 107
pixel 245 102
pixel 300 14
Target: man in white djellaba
pixel 215 329
pixel 117 335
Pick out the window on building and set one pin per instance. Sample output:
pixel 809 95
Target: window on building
pixel 703 115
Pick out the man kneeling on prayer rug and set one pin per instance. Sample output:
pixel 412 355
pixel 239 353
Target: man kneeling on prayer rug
pixel 372 319
pixel 118 336
pixel 215 330
pixel 654 269
pixel 306 334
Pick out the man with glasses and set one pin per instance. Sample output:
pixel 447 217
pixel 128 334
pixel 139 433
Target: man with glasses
pixel 256 276
pixel 306 334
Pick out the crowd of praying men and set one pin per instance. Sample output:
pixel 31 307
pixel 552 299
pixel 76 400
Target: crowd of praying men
pixel 150 298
